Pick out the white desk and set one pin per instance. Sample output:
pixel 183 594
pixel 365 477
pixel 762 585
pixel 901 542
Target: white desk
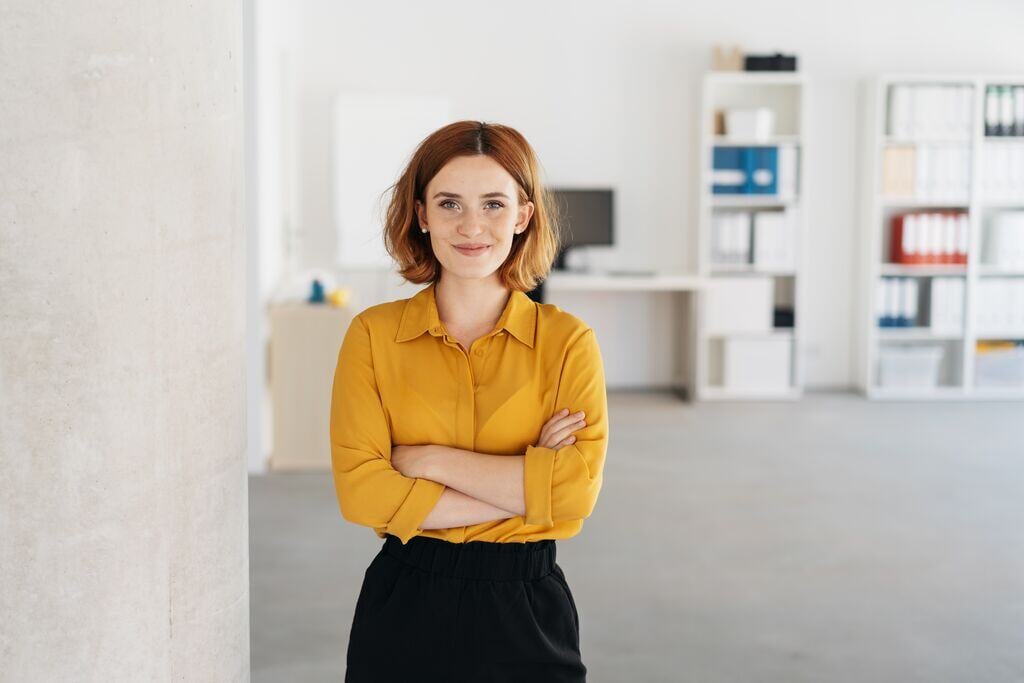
pixel 678 282
pixel 686 285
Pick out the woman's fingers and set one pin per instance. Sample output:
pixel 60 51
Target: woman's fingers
pixel 557 431
pixel 555 435
pixel 561 420
pixel 558 444
pixel 567 431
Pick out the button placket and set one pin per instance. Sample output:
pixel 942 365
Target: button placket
pixel 467 420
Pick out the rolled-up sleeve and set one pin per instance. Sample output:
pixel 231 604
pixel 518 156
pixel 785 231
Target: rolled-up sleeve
pixel 564 483
pixel 370 491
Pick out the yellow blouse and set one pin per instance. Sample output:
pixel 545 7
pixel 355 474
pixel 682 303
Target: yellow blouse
pixel 402 380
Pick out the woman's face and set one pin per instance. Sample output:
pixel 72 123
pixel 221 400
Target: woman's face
pixel 472 201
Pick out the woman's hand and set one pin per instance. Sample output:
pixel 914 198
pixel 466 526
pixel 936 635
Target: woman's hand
pixel 557 431
pixel 411 460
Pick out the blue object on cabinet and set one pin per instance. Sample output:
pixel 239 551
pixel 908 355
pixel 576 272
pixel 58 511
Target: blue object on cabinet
pixel 745 170
pixel 316 292
pixel 729 170
pixel 762 171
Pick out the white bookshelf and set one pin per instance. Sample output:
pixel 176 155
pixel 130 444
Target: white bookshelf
pixel 956 377
pixel 785 94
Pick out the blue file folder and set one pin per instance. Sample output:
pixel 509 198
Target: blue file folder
pixel 745 170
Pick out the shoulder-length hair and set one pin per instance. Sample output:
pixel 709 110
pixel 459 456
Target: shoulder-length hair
pixel 533 251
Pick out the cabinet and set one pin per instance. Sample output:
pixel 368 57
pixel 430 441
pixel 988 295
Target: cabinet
pixel 304 343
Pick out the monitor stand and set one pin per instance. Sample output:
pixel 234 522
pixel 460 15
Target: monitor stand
pixel 537 293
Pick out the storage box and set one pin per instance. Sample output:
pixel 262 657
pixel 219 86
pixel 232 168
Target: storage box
pixel 757 363
pixel 749 124
pixel 738 304
pixel 775 62
pixel 999 365
pixel 916 367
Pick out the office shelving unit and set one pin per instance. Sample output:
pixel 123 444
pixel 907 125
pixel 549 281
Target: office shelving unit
pixel 785 94
pixel 956 371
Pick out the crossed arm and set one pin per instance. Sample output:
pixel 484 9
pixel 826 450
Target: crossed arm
pixel 478 487
pixel 378 485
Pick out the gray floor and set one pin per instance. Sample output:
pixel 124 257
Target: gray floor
pixel 832 539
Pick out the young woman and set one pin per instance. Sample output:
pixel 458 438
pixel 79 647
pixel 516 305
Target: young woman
pixel 468 428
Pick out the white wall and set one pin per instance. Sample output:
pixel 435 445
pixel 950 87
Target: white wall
pixel 608 94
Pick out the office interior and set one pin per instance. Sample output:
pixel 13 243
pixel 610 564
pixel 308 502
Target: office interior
pixel 797 229
pixel 801 483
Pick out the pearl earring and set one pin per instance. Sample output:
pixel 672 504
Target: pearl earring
pixel 423 229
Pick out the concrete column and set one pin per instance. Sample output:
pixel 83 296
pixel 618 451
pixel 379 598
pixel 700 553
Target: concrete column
pixel 123 492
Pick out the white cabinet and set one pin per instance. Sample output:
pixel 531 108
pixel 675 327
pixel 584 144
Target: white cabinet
pixel 751 232
pixel 931 149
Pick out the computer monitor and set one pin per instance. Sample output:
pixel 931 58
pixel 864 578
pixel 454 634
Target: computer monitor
pixel 585 217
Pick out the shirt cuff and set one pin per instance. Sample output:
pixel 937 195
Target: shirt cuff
pixel 537 474
pixel 421 500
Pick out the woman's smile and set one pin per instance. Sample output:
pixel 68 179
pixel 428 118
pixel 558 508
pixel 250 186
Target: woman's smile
pixel 474 251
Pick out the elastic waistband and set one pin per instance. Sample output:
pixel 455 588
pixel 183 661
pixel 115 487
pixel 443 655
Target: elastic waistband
pixel 475 559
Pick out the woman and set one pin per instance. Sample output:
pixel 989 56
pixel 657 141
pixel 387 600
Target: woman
pixel 468 428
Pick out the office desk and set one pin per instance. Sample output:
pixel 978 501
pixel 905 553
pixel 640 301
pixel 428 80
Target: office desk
pixel 687 286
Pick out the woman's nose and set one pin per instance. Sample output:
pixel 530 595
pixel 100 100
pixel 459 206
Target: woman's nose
pixel 471 224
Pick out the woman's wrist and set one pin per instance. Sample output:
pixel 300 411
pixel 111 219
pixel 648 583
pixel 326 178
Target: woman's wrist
pixel 430 462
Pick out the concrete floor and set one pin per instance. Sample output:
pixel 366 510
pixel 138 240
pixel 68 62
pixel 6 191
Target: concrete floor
pixel 831 539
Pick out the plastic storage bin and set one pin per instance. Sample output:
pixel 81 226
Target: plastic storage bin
pixel 999 365
pixel 757 123
pixel 916 367
pixel 757 364
pixel 741 304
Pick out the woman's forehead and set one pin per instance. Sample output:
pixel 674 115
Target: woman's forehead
pixel 473 175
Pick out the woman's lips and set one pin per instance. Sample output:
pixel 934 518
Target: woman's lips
pixel 472 252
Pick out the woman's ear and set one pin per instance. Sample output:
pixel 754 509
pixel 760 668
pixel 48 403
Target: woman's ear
pixel 421 214
pixel 525 214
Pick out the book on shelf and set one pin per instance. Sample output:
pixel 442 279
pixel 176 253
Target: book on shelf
pixel 899 298
pixel 999 307
pixel 929 111
pixel 789 163
pixel 762 239
pixel 1002 171
pixel 730 237
pixel 930 237
pixel 1004 243
pixel 755 170
pixel 898 171
pixel 936 172
pixel 897 302
pixel 774 237
pixel 946 305
pixel 1004 110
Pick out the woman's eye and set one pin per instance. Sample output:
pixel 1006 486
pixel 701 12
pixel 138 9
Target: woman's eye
pixel 498 204
pixel 445 203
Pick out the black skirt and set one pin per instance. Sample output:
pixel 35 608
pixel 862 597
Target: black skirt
pixel 478 612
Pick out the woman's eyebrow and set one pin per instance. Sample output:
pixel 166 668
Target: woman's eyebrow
pixel 458 196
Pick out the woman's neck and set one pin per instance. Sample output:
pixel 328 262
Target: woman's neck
pixel 470 304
